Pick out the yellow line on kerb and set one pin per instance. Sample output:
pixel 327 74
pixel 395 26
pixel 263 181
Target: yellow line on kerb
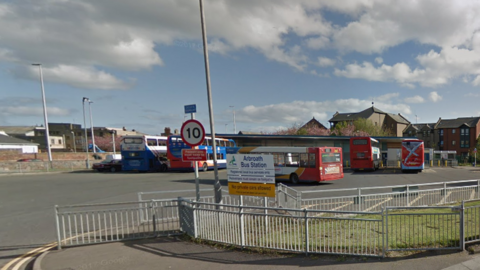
pixel 29 254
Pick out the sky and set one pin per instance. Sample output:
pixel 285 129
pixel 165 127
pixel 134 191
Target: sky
pixel 273 63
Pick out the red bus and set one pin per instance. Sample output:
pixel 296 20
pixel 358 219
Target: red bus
pixel 175 145
pixel 297 164
pixel 412 155
pixel 364 153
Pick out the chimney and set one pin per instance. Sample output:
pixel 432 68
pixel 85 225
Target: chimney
pixel 124 129
pixel 168 131
pixel 176 131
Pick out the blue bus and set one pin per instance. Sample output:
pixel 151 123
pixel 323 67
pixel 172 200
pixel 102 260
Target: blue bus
pixel 174 153
pixel 144 153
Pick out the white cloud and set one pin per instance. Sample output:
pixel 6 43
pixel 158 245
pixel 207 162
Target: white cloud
pixel 32 111
pixel 82 77
pixel 325 62
pixel 286 114
pixel 378 60
pixel 414 99
pixel 435 97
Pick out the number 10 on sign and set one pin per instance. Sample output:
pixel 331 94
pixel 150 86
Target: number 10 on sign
pixel 192 133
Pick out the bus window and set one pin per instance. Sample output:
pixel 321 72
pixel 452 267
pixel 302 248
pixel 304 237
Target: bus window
pixel 330 157
pixel 311 160
pixel 152 142
pixel 209 142
pixel 204 142
pixel 133 140
pixel 303 160
pixel 279 159
pixel 360 142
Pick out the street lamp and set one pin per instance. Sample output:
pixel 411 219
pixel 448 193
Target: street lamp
pixel 113 141
pixel 85 127
pixel 91 125
pixel 234 124
pixel 74 144
pixel 45 118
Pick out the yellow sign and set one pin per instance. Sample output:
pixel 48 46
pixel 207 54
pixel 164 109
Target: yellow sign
pixel 251 189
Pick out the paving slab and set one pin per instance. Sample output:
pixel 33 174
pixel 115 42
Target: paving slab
pixel 173 253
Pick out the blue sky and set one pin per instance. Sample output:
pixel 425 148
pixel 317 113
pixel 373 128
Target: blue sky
pixel 278 62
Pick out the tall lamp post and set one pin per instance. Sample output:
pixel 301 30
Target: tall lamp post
pixel 234 124
pixel 91 125
pixel 74 144
pixel 45 118
pixel 85 128
pixel 216 186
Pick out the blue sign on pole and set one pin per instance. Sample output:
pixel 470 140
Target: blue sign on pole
pixel 191 108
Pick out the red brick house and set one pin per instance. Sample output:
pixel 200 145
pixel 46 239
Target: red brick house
pixel 458 134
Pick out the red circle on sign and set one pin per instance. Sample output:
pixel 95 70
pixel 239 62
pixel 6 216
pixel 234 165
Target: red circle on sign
pixel 192 132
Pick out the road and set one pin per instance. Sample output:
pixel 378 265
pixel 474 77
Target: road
pixel 27 201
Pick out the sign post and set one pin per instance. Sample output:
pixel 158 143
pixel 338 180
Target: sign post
pixel 251 175
pixel 194 136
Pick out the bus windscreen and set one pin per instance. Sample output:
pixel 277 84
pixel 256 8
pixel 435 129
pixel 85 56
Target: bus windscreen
pixel 330 157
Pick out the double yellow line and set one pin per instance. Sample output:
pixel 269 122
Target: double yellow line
pixel 33 253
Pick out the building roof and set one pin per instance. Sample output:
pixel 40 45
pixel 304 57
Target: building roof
pixel 17 130
pixel 340 117
pixel 421 126
pixel 313 123
pixel 456 123
pixel 12 140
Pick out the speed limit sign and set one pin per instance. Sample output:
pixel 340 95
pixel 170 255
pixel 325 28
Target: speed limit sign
pixel 192 133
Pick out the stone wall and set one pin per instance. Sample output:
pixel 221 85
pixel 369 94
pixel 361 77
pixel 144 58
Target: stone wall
pixel 14 155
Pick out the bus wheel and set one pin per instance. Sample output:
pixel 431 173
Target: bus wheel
pixel 294 178
pixel 205 167
pixel 163 168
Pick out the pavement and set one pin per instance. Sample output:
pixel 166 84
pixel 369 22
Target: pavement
pixel 173 253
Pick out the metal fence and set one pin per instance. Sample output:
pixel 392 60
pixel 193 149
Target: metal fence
pixel 288 229
pixel 307 231
pixel 371 199
pixel 100 223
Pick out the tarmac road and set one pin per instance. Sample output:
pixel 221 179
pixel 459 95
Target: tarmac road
pixel 26 201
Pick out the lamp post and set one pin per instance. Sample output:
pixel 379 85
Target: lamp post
pixel 45 118
pixel 113 141
pixel 74 144
pixel 216 186
pixel 91 125
pixel 234 124
pixel 85 128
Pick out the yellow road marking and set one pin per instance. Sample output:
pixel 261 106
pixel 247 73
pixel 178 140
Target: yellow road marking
pixel 28 254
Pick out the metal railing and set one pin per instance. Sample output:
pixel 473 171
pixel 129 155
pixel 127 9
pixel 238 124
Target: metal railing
pixel 369 199
pixel 296 230
pixel 439 228
pixel 111 222
pixel 307 231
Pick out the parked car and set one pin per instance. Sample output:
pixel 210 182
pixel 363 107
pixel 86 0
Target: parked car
pixel 114 165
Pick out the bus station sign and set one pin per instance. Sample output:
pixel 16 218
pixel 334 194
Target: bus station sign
pixel 251 175
pixel 194 154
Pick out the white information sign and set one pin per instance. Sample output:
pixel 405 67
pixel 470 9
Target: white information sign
pixel 250 168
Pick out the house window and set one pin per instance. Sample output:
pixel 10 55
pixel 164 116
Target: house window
pixel 453 142
pixel 464 137
pixel 52 141
pixel 453 131
pixel 440 132
pixel 59 141
pixel 441 143
pixel 409 132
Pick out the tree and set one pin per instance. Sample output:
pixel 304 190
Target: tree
pixel 297 129
pixel 106 143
